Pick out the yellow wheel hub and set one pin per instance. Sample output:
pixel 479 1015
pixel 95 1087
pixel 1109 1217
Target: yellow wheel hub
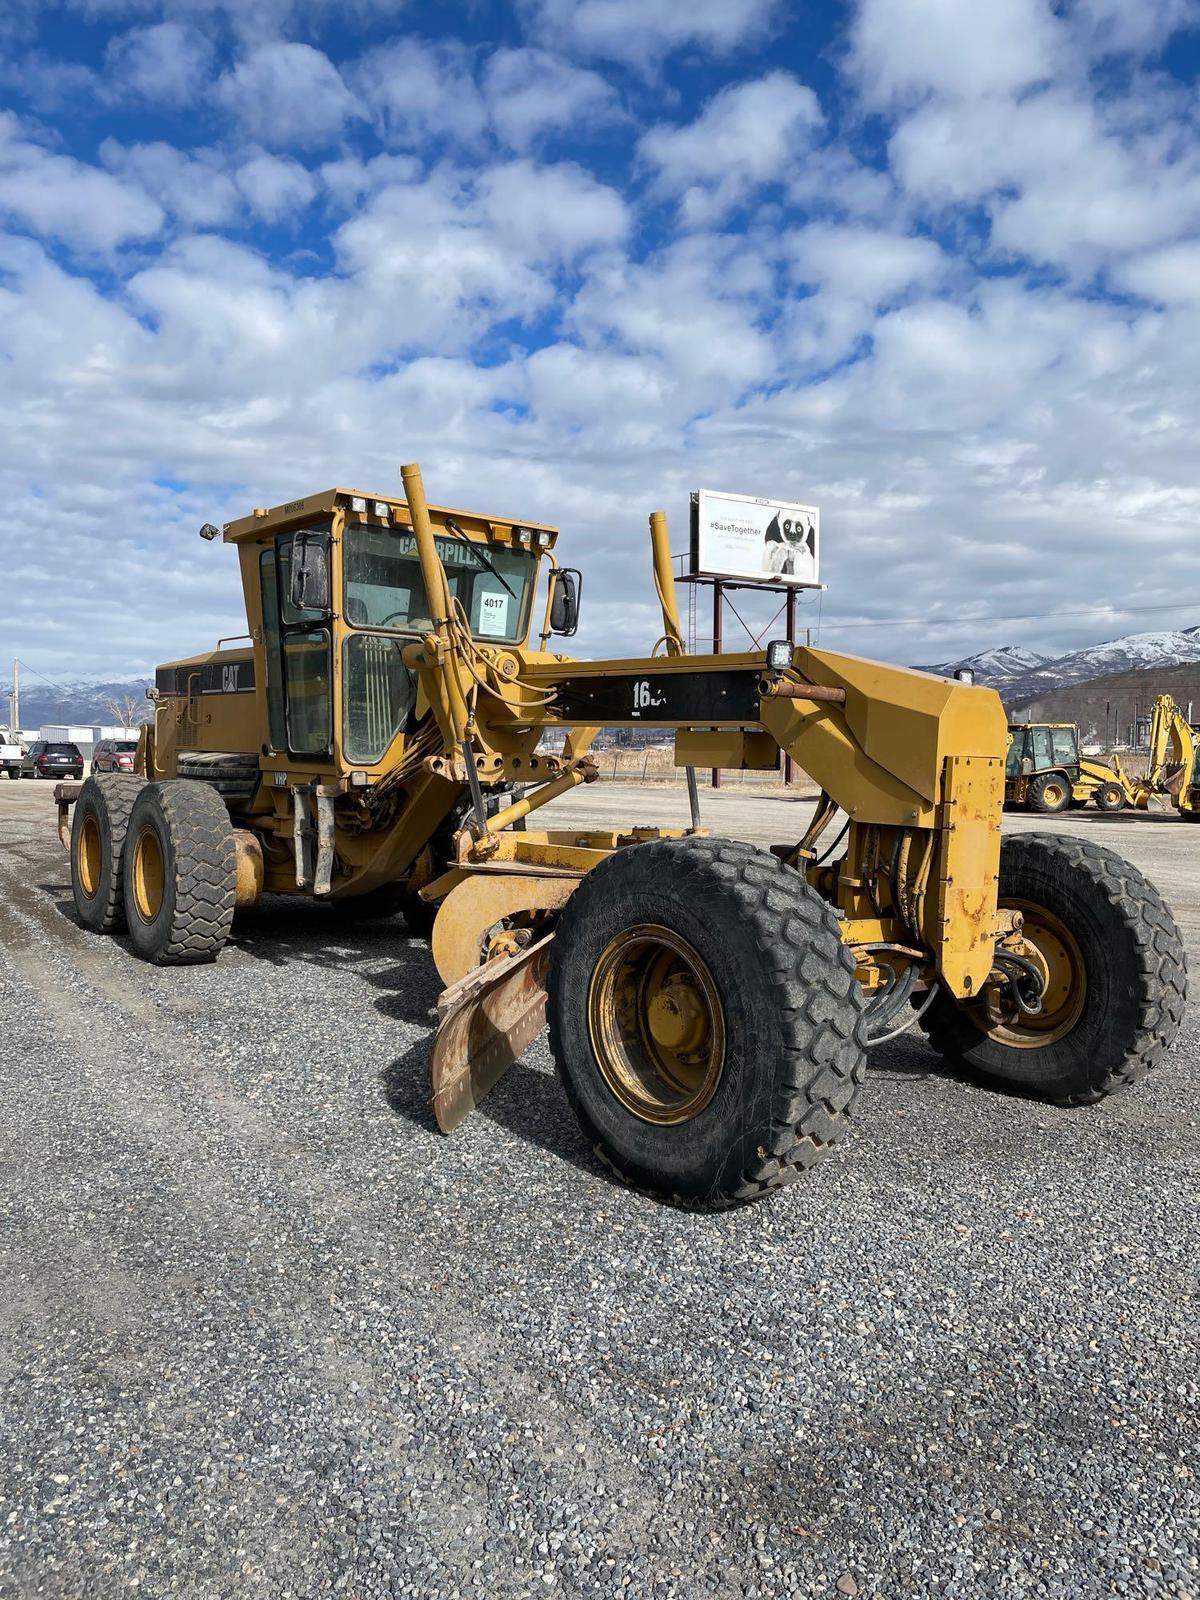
pixel 656 1024
pixel 1054 794
pixel 1058 957
pixel 148 875
pixel 89 858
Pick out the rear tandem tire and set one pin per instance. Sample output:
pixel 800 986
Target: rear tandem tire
pixel 180 873
pixel 763 1086
pixel 98 832
pixel 1128 1008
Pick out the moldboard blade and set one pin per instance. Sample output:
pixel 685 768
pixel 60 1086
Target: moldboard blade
pixel 488 1020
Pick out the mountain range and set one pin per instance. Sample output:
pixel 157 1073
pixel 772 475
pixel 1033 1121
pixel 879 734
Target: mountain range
pixel 80 702
pixel 1021 675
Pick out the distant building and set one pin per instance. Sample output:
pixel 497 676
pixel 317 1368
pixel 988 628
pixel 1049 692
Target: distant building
pixel 86 737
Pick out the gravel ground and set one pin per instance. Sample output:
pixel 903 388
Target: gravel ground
pixel 265 1332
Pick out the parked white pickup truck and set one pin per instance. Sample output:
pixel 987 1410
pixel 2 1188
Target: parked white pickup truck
pixel 10 754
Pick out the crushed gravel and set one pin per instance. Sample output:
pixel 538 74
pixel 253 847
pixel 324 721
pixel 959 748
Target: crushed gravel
pixel 265 1332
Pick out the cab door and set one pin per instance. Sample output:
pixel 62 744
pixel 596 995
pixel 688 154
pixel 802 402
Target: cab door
pixel 299 656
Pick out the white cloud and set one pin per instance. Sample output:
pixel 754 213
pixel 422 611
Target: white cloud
pixel 287 94
pixel 1105 193
pixel 166 64
pixel 641 32
pixel 697 307
pixel 349 179
pixel 853 271
pixel 552 212
pixel 276 186
pixel 748 135
pixel 195 189
pixel 1118 27
pixel 906 48
pixel 50 84
pixel 61 198
pixel 415 92
pixel 530 92
pixel 1170 275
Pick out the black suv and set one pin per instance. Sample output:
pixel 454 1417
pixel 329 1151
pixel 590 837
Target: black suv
pixel 45 760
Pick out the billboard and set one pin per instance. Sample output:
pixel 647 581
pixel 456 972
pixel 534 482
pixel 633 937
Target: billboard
pixel 753 540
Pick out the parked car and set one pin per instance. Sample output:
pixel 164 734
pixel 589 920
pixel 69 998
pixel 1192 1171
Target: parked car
pixel 114 755
pixel 45 760
pixel 11 753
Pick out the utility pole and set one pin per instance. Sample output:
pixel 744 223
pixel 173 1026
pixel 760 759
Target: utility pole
pixel 15 698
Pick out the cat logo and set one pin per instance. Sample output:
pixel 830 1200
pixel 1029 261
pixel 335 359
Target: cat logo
pixel 229 680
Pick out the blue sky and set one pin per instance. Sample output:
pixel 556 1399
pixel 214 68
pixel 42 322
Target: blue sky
pixel 930 264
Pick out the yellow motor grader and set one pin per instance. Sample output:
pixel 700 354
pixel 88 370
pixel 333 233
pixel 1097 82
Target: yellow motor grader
pixel 379 743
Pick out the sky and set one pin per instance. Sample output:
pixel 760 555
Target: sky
pixel 931 265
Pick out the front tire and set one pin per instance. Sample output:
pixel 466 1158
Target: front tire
pixel 705 1019
pixel 1050 793
pixel 1110 797
pixel 99 828
pixel 1118 977
pixel 180 873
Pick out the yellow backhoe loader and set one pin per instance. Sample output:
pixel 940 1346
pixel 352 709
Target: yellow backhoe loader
pixel 1045 772
pixel 378 744
pixel 1171 765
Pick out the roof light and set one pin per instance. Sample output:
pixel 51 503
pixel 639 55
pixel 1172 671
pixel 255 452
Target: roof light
pixel 523 535
pixel 358 503
pixel 542 537
pixel 382 509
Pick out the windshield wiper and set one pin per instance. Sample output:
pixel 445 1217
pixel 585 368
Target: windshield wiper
pixel 456 533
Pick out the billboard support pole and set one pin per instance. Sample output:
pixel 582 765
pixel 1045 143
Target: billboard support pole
pixel 718 595
pixel 789 767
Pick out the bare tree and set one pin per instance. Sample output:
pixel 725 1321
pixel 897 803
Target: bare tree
pixel 125 709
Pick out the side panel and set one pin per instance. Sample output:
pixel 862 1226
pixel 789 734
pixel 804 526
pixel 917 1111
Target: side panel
pixel 967 871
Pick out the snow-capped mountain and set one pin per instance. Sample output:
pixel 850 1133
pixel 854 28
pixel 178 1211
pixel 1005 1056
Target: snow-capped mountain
pixel 1158 649
pixel 82 701
pixel 991 666
pixel 1022 675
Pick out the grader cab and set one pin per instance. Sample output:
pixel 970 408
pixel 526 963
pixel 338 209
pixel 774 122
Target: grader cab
pixel 378 743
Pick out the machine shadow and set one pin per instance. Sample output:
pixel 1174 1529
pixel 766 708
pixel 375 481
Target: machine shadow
pixel 527 1103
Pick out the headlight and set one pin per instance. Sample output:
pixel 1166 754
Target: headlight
pixel 779 655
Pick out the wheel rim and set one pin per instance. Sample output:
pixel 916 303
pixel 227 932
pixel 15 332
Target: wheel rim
pixel 1066 985
pixel 1054 795
pixel 656 1024
pixel 148 875
pixel 89 855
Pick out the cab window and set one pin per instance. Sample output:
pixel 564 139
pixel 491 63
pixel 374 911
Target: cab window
pixel 383 587
pixel 1066 753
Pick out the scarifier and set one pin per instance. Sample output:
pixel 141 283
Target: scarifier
pixel 377 743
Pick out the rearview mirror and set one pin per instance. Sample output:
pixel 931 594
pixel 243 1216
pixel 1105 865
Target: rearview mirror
pixel 310 571
pixel 564 607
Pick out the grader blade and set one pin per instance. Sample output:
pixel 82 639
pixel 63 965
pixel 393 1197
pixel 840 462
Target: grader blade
pixel 488 1020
